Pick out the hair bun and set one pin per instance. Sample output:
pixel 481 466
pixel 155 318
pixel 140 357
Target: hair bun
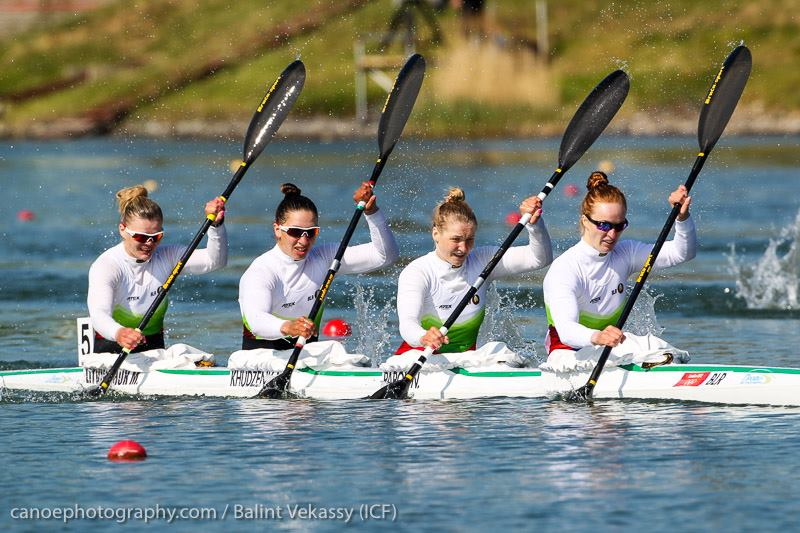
pixel 455 194
pixel 129 194
pixel 596 179
pixel 289 189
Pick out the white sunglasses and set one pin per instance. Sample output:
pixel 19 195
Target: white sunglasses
pixel 144 238
pixel 298 232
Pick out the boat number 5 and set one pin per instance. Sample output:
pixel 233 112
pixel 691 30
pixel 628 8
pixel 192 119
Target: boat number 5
pixel 85 336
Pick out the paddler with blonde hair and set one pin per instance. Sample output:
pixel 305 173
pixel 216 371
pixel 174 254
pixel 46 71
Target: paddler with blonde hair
pixel 126 278
pixel 432 285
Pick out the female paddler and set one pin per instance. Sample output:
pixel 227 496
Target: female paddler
pixel 584 290
pixel 430 287
pixel 125 279
pixel 277 291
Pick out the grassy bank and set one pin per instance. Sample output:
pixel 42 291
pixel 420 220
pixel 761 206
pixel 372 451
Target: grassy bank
pixel 171 61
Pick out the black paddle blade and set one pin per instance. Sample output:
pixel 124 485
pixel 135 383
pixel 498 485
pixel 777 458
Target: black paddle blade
pixel 583 394
pixel 723 96
pixel 276 388
pixel 396 390
pixel 273 110
pixel 399 103
pixel 592 117
pixel 94 392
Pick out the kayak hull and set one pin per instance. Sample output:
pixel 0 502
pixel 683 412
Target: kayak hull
pixel 724 384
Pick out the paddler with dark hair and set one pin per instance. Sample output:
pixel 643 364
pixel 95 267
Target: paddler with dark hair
pixel 431 286
pixel 584 290
pixel 277 291
pixel 125 279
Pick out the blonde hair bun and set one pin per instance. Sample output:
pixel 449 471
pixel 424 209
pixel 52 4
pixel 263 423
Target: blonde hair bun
pixel 455 194
pixel 134 203
pixel 129 194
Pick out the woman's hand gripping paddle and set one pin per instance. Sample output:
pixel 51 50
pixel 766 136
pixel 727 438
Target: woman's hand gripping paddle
pixel 395 114
pixel 589 121
pixel 268 118
pixel 717 109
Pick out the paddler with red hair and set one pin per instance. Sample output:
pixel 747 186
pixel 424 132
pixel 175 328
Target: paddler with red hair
pixel 584 289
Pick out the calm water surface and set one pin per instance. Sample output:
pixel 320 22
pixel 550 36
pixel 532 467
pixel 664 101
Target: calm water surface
pixel 431 466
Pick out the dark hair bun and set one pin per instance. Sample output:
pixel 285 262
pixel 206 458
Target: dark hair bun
pixel 596 179
pixel 290 188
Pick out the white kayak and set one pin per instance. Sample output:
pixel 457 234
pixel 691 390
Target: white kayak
pixel 725 384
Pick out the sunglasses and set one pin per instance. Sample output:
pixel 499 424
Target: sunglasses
pixel 298 232
pixel 606 226
pixel 144 238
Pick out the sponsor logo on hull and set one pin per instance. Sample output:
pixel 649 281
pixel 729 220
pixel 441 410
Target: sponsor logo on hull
pixel 692 379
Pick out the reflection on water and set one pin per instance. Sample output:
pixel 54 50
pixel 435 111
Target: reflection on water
pixel 498 462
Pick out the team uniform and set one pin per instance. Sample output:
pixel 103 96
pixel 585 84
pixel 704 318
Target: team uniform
pixel 429 288
pixel 276 288
pixel 121 288
pixel 584 290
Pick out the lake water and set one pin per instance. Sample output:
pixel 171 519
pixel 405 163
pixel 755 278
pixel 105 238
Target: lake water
pixel 431 466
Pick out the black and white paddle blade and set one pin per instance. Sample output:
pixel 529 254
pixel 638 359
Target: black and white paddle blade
pixel 723 96
pixel 273 110
pixel 592 117
pixel 399 103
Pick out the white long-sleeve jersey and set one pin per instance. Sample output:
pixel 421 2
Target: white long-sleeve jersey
pixel 429 288
pixel 121 288
pixel 275 288
pixel 585 291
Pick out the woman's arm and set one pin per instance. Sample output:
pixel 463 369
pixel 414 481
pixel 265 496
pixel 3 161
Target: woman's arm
pixel 538 253
pixel 412 290
pixel 382 250
pixel 213 257
pixel 255 302
pixel 100 299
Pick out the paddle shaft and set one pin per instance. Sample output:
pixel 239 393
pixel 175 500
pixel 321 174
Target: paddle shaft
pixel 645 272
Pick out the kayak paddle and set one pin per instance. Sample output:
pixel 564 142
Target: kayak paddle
pixel 717 109
pixel 589 121
pixel 264 125
pixel 394 116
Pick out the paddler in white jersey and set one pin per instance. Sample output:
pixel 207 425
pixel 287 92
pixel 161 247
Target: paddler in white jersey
pixel 277 291
pixel 584 290
pixel 125 279
pixel 430 287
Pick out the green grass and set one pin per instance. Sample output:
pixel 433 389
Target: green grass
pixel 144 51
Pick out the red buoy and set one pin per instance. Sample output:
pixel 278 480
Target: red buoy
pixel 127 450
pixel 512 218
pixel 25 215
pixel 571 190
pixel 337 328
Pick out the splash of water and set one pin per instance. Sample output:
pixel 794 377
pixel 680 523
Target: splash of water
pixel 642 319
pixel 772 282
pixel 371 330
pixel 501 324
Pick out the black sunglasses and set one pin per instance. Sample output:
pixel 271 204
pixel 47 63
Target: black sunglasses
pixel 604 225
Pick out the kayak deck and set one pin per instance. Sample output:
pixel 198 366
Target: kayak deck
pixel 725 384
